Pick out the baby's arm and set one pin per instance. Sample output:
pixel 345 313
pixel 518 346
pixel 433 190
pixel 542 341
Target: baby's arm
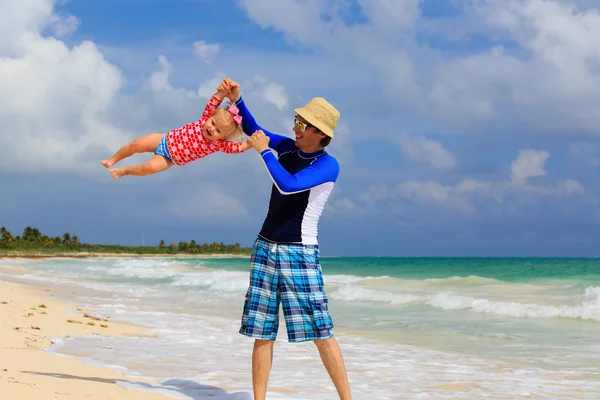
pixel 278 142
pixel 210 108
pixel 234 147
pixel 220 93
pixel 214 103
pixel 245 146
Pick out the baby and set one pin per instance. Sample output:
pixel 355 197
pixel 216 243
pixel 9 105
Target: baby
pixel 186 144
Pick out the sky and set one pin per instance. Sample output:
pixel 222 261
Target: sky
pixel 468 127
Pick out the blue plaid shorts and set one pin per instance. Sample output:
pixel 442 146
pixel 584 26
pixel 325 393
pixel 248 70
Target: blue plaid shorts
pixel 163 150
pixel 290 275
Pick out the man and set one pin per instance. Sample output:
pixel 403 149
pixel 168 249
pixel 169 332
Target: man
pixel 285 266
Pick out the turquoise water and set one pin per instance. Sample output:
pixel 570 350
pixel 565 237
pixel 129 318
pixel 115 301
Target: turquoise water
pixel 506 269
pixel 498 328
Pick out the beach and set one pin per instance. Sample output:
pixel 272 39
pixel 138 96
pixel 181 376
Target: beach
pixel 409 329
pixel 29 320
pixel 83 254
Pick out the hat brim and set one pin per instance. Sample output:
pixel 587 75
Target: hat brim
pixel 314 121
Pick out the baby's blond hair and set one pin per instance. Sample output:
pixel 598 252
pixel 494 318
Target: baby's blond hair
pixel 234 130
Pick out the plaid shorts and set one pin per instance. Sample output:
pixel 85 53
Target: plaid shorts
pixel 289 274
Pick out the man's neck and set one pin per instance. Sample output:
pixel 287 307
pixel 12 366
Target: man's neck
pixel 311 149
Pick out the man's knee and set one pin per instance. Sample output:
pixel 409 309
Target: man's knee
pixel 262 343
pixel 322 343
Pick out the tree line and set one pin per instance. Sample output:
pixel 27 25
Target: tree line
pixel 33 240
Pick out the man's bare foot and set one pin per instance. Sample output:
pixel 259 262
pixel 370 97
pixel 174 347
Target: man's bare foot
pixel 117 172
pixel 106 163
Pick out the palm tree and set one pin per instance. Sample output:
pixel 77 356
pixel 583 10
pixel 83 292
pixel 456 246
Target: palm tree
pixel 162 244
pixel 67 239
pixel 27 233
pixel 6 238
pixel 182 246
pixel 75 242
pixel 36 235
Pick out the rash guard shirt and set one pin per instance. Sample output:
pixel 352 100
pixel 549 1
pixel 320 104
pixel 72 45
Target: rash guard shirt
pixel 302 183
pixel 187 143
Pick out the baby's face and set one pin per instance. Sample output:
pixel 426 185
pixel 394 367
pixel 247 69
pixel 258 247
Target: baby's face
pixel 218 127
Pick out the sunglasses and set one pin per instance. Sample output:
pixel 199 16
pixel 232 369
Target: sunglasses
pixel 301 125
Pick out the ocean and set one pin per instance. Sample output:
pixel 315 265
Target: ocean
pixel 409 328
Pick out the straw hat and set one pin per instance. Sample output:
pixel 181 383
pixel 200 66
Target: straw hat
pixel 319 113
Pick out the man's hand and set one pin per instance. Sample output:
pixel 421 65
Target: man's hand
pixel 259 141
pixel 230 89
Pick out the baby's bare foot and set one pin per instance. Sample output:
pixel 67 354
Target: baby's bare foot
pixel 117 172
pixel 106 163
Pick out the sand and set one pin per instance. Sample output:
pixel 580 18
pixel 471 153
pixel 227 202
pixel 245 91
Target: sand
pixel 83 254
pixel 29 319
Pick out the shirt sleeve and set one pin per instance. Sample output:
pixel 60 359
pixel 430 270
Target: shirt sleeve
pixel 209 109
pixel 324 169
pixel 229 147
pixel 279 143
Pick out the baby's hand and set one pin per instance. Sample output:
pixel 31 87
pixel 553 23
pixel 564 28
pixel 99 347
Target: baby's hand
pixel 230 89
pixel 234 91
pixel 223 89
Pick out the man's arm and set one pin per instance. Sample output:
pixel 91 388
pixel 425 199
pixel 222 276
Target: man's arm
pixel 323 169
pixel 277 142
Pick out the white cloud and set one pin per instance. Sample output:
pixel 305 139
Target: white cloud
pixel 208 204
pixel 205 51
pixel 511 193
pixel 275 93
pixel 63 27
pixel 52 97
pixel 549 81
pixel 529 164
pixel 585 152
pixel 391 17
pixel 208 88
pixel 343 206
pixel 457 196
pixel 63 108
pixel 58 102
pixel 427 151
pixel 159 80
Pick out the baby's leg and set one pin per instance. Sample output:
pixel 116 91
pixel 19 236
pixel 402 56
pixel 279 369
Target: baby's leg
pixel 144 144
pixel 153 166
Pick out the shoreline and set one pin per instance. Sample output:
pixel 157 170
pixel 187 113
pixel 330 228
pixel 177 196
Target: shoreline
pixel 31 320
pixel 38 255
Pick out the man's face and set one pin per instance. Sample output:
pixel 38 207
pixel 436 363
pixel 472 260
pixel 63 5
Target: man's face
pixel 307 136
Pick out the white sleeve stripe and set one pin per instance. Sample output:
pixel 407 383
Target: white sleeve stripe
pixel 275 183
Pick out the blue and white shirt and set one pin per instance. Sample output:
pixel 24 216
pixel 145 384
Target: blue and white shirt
pixel 302 183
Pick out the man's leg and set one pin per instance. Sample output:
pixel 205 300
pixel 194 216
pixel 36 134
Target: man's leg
pixel 332 358
pixel 305 308
pixel 262 360
pixel 260 318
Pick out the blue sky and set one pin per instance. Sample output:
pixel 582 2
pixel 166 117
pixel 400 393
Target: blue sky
pixel 469 128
